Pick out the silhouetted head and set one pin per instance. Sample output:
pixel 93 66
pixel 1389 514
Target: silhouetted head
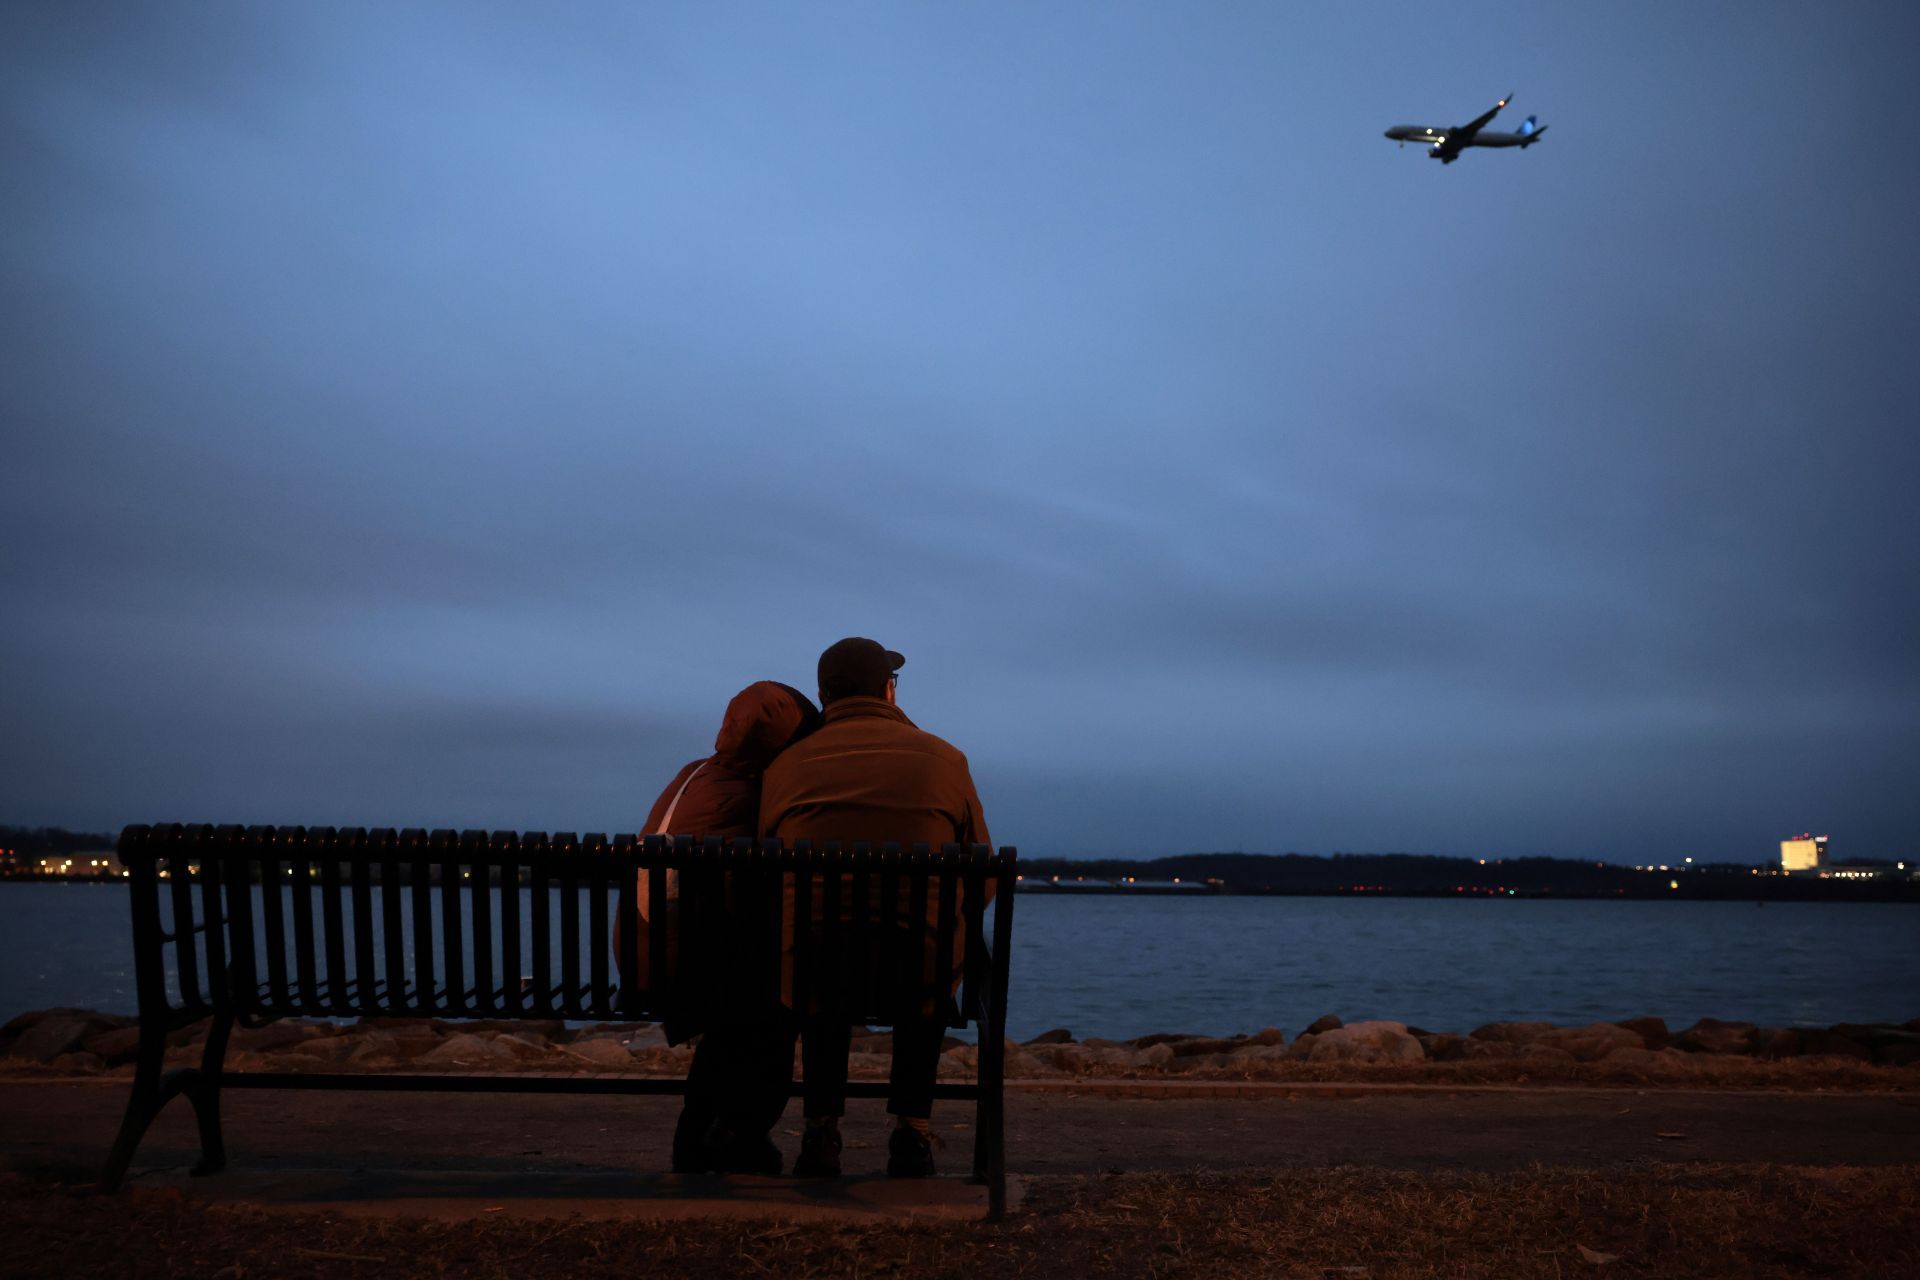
pixel 764 719
pixel 857 668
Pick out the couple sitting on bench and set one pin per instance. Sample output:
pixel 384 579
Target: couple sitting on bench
pixel 857 769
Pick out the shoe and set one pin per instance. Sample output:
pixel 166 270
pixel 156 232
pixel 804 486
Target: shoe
pixel 909 1154
pixel 819 1153
pixel 732 1152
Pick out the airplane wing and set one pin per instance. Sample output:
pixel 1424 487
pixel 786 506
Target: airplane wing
pixel 1466 131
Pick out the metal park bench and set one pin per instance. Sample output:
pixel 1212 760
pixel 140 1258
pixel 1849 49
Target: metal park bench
pixel 253 924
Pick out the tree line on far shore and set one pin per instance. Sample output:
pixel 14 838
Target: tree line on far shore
pixel 1432 875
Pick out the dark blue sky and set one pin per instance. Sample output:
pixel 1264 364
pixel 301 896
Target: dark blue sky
pixel 432 416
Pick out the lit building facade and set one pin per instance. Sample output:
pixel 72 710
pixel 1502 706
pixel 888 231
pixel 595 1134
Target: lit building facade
pixel 1803 853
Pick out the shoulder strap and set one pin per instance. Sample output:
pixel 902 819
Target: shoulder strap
pixel 666 820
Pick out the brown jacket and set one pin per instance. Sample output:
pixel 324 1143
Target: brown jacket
pixel 869 773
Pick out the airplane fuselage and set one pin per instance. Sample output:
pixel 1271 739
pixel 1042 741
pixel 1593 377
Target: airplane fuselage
pixel 1446 144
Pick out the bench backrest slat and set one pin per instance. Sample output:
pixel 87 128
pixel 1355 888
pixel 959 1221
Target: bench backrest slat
pixel 347 922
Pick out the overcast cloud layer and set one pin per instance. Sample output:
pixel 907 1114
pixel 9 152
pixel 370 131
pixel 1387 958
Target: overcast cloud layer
pixel 432 416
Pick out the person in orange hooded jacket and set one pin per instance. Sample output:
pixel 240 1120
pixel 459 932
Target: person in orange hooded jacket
pixel 738 1083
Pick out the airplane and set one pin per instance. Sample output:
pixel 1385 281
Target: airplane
pixel 1445 145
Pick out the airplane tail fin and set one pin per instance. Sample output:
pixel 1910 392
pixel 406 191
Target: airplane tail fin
pixel 1528 128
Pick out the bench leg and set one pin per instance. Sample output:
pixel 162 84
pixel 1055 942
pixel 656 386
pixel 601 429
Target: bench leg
pixel 142 1106
pixel 152 1090
pixel 203 1090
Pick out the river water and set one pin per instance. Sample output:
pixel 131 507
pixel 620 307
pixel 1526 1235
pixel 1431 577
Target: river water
pixel 1120 967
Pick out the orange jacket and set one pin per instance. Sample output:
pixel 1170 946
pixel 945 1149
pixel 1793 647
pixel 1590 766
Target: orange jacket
pixel 720 794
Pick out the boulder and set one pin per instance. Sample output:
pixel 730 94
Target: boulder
pixel 1252 1052
pixel 1445 1048
pixel 1082 1058
pixel 464 1049
pixel 1203 1062
pixel 1591 1043
pixel 1512 1032
pixel 79 1063
pixel 118 1045
pixel 1831 1044
pixel 1652 1031
pixel 1024 1065
pixel 873 1042
pixel 59 1031
pixel 1541 1052
pixel 275 1035
pixel 1711 1035
pixel 1897 1048
pixel 1776 1042
pixel 1059 1035
pixel 1633 1059
pixel 600 1052
pixel 1325 1022
pixel 1202 1044
pixel 1873 1034
pixel 1154 1056
pixel 1374 1041
pixel 1162 1037
pixel 1472 1050
pixel 1268 1036
pixel 375 1047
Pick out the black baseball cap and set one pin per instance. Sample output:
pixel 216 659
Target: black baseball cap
pixel 857 667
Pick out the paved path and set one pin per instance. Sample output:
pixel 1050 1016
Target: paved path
pixel 62 1130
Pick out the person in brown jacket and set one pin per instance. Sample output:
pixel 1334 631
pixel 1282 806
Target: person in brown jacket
pixel 869 773
pixel 741 1074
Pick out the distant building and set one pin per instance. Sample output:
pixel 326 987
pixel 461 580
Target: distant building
pixel 1803 853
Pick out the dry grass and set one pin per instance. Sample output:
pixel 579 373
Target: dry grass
pixel 1704 1221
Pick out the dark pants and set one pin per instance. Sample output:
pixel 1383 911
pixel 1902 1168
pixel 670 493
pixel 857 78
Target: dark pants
pixel 740 1076
pixel 916 1060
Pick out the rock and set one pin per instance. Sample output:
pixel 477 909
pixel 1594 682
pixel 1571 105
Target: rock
pixel 869 1063
pixel 275 1035
pixel 1831 1044
pixel 1205 1062
pixel 1081 1058
pixel 77 1063
pixel 1540 1051
pixel 1373 1041
pixel 874 1042
pixel 546 1028
pixel 1472 1050
pixel 1203 1044
pixel 1512 1032
pixel 1024 1065
pixel 1891 1046
pixel 1776 1042
pixel 1059 1035
pixel 466 1050
pixel 1873 1034
pixel 1633 1059
pixel 1154 1056
pixel 1652 1031
pixel 117 1045
pixel 59 1031
pixel 1591 1043
pixel 1711 1035
pixel 1444 1048
pixel 375 1046
pixel 647 1037
pixel 1162 1037
pixel 601 1053
pixel 1325 1022
pixel 1268 1035
pixel 1251 1052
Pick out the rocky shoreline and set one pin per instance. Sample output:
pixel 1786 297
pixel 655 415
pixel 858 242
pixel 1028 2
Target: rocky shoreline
pixel 86 1042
